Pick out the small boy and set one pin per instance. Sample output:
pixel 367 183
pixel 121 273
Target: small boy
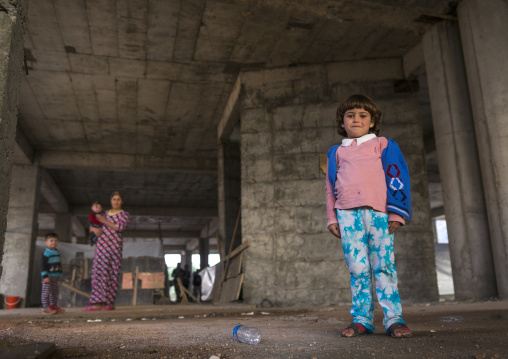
pixel 51 271
pixel 96 209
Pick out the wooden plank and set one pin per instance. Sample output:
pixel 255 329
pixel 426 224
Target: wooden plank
pixel 73 278
pixel 188 293
pixel 231 244
pixel 135 296
pixel 231 289
pixel 239 249
pixel 235 266
pixel 85 269
pixel 182 290
pixel 217 283
pixel 75 289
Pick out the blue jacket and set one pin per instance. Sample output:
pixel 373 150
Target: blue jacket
pixel 51 264
pixel 398 194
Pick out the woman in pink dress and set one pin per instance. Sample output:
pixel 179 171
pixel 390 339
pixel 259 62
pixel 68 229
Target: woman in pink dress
pixel 108 255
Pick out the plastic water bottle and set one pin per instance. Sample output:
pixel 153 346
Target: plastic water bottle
pixel 249 335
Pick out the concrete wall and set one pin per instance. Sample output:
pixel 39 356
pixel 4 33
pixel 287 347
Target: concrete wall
pixel 12 21
pixel 18 257
pixel 287 126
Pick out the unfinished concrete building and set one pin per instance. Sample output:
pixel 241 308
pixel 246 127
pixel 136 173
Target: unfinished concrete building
pixel 201 111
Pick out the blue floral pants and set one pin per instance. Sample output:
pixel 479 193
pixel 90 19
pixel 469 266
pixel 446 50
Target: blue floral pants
pixel 368 250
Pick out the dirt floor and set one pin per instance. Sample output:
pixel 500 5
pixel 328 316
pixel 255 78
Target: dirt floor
pixel 441 330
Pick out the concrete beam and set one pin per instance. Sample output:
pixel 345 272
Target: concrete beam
pixel 77 229
pixel 231 113
pixel 437 212
pixel 156 212
pixel 179 248
pixel 167 248
pixel 52 194
pixel 193 244
pixel 165 234
pixel 148 234
pixel 23 152
pixel 413 61
pixel 125 162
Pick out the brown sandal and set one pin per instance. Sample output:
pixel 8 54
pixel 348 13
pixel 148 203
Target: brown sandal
pixel 394 327
pixel 358 329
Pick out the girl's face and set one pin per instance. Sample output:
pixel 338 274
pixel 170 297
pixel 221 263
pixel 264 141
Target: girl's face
pixel 116 202
pixel 357 122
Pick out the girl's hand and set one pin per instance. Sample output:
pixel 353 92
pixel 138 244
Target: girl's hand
pixel 100 218
pixel 96 231
pixel 393 226
pixel 334 229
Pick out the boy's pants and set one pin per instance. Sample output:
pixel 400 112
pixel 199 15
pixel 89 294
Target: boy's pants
pixel 50 291
pixel 368 247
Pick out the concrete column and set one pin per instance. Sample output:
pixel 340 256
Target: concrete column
pixel 229 182
pixel 21 233
pixel 12 21
pixel 63 226
pixel 187 259
pixel 459 167
pixel 204 251
pixel 485 44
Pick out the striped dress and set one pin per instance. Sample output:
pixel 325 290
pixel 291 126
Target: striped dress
pixel 107 260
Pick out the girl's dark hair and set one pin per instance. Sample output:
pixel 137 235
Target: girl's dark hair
pixel 358 101
pixel 97 202
pixel 116 193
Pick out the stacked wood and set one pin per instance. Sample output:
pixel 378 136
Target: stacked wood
pixel 229 276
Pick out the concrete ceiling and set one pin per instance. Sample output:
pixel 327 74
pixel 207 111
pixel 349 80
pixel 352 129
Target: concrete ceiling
pixel 128 94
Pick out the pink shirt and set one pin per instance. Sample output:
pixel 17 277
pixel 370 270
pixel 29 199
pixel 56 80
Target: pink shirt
pixel 360 177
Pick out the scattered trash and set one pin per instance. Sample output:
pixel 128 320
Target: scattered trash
pixel 433 331
pixel 93 320
pixel 265 313
pixel 452 319
pixel 249 335
pixel 249 313
pixel 214 357
pixel 128 319
pixel 181 317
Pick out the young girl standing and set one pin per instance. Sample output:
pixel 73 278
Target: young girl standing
pixel 367 190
